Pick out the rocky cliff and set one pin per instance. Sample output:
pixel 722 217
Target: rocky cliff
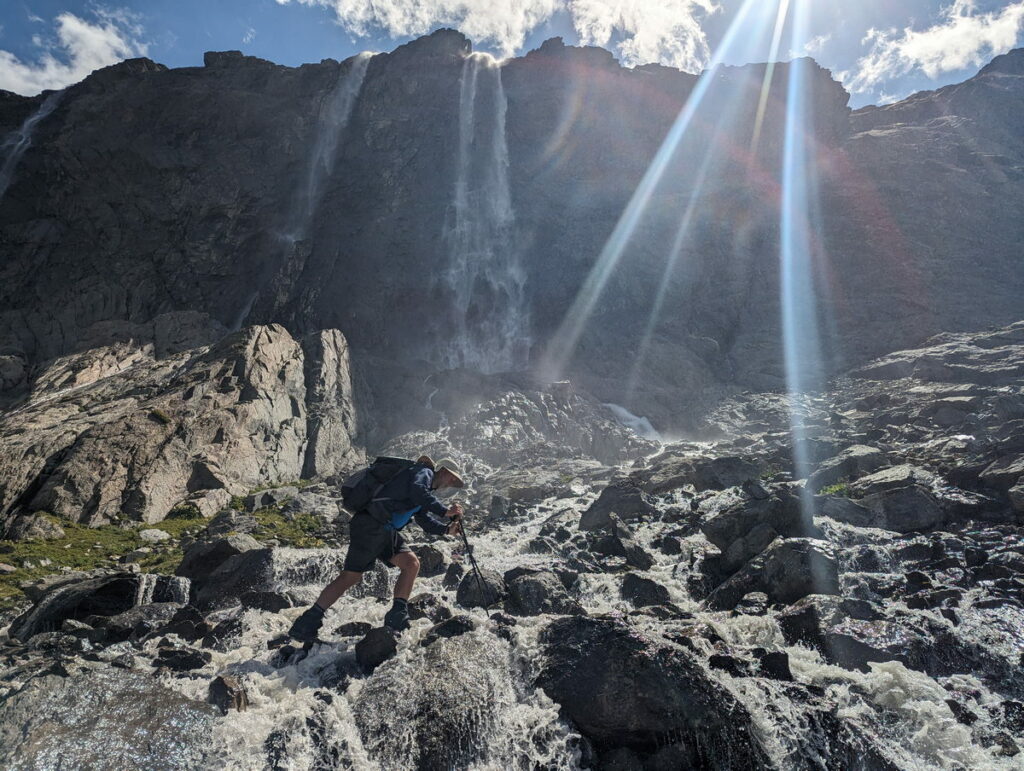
pixel 346 196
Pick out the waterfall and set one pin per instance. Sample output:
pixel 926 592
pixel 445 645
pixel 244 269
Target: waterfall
pixel 334 116
pixel 18 142
pixel 484 274
pixel 332 120
pixel 146 588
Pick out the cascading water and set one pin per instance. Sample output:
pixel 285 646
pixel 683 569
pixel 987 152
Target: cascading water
pixel 332 120
pixel 18 142
pixel 484 275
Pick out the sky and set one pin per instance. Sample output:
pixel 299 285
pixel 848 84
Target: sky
pixel 881 50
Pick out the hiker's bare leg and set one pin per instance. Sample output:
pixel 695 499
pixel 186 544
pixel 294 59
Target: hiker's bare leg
pixel 408 565
pixel 338 587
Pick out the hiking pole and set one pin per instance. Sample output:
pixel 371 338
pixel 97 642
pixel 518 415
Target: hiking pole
pixel 481 585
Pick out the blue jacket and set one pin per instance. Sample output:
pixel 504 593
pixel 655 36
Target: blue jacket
pixel 408 495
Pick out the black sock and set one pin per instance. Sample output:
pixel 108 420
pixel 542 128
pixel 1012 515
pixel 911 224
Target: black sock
pixel 400 602
pixel 317 609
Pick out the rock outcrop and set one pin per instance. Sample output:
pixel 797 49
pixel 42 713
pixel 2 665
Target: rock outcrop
pixel 131 433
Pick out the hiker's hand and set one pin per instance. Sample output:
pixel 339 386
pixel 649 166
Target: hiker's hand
pixel 454 511
pixel 455 527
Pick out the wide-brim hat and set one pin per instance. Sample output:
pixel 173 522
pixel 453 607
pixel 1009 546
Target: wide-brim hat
pixel 452 468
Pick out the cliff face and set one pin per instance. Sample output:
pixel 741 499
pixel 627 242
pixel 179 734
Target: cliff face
pixel 382 198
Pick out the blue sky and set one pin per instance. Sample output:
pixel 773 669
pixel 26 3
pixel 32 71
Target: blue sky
pixel 881 50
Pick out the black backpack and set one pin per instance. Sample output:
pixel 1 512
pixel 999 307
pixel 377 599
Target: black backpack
pixel 362 488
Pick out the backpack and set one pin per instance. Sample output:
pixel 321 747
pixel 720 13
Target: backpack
pixel 360 490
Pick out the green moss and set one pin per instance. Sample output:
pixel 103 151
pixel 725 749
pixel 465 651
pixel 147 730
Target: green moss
pixel 237 503
pixel 299 531
pixel 770 472
pixel 160 416
pixel 840 488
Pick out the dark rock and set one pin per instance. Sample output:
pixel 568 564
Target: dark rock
pixel 643 591
pixel 620 543
pixel 452 576
pixel 747 528
pixel 264 498
pixel 535 592
pixel 774 665
pixel 81 598
pixel 851 463
pixel 188 623
pixel 379 645
pixel 204 557
pixel 223 633
pixel 623 498
pixel 227 693
pixel 430 606
pixel 797 567
pixel 452 627
pixel 905 509
pixel 354 628
pixel 732 665
pixel 480 590
pixel 1004 473
pixel 136 622
pixel 432 560
pixel 623 690
pixel 904 475
pixel 181 659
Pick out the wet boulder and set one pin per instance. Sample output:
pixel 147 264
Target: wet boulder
pixel 204 557
pixel 268 570
pixel 621 689
pixel 432 560
pixel 181 658
pixel 623 498
pixel 452 627
pixel 532 592
pixel 227 693
pixel 480 590
pixel 851 463
pixel 429 606
pixel 104 718
pixel 797 567
pixel 136 622
pixel 643 592
pixel 379 645
pixel 746 528
pixel 905 509
pixel 619 542
pixel 92 596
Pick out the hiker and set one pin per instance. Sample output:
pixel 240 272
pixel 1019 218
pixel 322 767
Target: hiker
pixel 374 534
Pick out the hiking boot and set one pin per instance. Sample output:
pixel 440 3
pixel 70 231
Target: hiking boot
pixel 307 625
pixel 398 617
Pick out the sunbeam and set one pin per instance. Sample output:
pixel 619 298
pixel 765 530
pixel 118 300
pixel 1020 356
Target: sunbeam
pixel 565 339
pixel 801 341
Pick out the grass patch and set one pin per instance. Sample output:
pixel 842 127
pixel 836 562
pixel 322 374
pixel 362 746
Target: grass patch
pixel 299 531
pixel 77 550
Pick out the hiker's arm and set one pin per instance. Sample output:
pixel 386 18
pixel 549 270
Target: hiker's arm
pixel 432 514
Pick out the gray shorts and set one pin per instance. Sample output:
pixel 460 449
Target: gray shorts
pixel 369 540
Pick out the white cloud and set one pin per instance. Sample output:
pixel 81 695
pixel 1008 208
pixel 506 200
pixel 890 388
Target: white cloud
pixel 79 48
pixel 815 45
pixel 249 36
pixel 641 31
pixel 665 31
pixel 964 38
